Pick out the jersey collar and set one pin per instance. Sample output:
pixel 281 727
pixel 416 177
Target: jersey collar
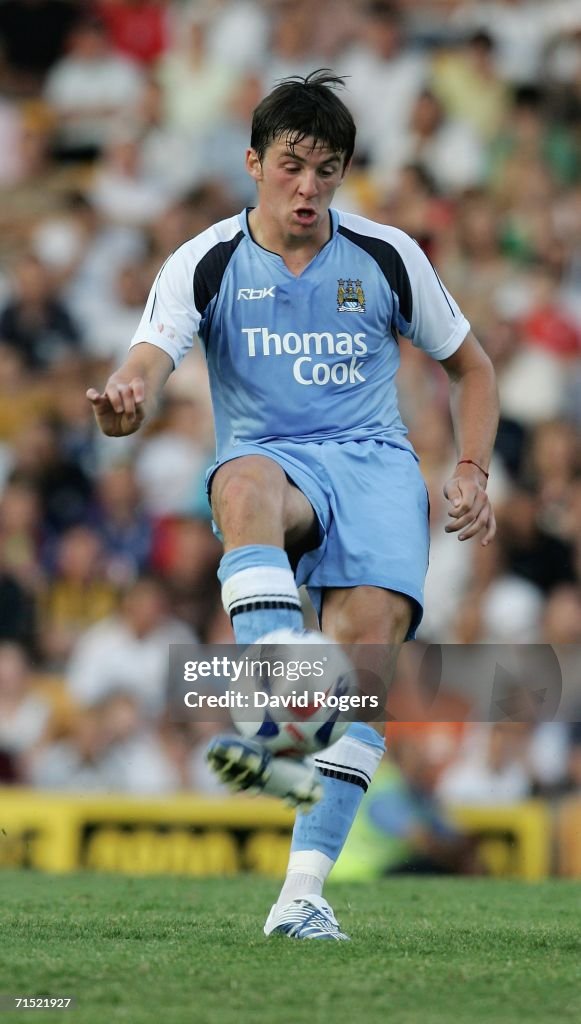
pixel 333 214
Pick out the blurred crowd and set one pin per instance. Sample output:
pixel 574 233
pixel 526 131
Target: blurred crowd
pixel 123 126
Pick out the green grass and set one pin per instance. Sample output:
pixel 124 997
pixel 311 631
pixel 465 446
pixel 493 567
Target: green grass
pixel 177 951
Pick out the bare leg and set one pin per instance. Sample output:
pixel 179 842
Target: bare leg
pixel 253 502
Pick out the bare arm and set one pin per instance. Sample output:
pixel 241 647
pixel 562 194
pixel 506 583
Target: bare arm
pixel 474 405
pixel 131 394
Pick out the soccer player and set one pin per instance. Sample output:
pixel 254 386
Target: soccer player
pixel 299 308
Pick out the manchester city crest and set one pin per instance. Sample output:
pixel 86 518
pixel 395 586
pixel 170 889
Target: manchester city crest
pixel 350 296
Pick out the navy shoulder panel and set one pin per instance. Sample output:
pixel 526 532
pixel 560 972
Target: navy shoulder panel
pixel 211 269
pixel 390 263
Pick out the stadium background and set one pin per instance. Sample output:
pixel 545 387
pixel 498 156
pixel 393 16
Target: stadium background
pixel 122 132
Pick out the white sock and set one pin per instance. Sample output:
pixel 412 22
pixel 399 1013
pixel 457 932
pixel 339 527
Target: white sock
pixel 346 769
pixel 306 875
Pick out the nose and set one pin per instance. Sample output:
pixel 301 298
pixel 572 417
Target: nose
pixel 308 184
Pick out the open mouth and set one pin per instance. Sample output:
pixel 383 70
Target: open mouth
pixel 306 215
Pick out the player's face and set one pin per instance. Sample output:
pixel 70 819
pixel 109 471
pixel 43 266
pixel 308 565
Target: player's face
pixel 296 187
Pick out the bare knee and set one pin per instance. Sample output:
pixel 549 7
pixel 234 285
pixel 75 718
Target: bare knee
pixel 248 496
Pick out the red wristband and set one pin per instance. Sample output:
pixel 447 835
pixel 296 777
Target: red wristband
pixel 473 463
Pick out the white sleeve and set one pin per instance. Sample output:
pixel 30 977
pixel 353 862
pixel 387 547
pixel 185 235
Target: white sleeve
pixel 170 318
pixel 437 325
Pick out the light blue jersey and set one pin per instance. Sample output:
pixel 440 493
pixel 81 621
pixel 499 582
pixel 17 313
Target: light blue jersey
pixel 307 358
pixel 302 371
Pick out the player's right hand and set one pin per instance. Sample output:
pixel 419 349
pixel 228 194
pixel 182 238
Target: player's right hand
pixel 120 409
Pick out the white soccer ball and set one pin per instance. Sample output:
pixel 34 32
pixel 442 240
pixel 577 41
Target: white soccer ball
pixel 297 692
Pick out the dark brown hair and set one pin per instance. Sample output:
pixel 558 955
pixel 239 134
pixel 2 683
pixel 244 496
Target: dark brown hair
pixel 302 108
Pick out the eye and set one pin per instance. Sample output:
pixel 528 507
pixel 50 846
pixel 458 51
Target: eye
pixel 291 168
pixel 327 172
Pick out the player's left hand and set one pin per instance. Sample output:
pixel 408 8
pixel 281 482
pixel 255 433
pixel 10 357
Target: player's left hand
pixel 469 505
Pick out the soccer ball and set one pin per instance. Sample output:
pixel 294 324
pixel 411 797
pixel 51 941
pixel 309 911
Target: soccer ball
pixel 297 692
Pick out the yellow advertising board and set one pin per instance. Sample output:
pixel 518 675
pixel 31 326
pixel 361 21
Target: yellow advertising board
pixel 209 837
pixel 515 841
pixel 181 835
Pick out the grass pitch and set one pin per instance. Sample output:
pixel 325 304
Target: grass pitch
pixel 177 951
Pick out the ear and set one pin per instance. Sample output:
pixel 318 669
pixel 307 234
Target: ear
pixel 253 164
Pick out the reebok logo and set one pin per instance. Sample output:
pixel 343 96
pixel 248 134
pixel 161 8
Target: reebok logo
pixel 256 293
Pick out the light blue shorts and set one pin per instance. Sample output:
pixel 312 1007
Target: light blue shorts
pixel 372 507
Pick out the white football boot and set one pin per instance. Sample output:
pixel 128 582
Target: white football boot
pixel 307 917
pixel 247 765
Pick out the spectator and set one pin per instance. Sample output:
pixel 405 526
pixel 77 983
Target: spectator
pixel 138 758
pixel 573 779
pixel 531 551
pixel 382 66
pixel 108 335
pixel 23 397
pixel 562 615
pixel 24 714
pixel 172 158
pixel 196 88
pixel 521 29
pixel 122 192
pixel 511 611
pixel 76 763
pixel 401 826
pixel 136 28
pixel 493 769
pixel 125 528
pixel 293 41
pixel 448 150
pixel 129 650
pixel 527 134
pixel 32 38
pixel 198 774
pixel 572 523
pixel 414 204
pixel 224 143
pixel 86 253
pixel 18 620
pixel 474 265
pixel 64 487
pixel 88 90
pixel 36 321
pixel 21 529
pixel 171 462
pixel 238 33
pixel 532 383
pixel 555 462
pixel 187 554
pixel 11 130
pixel 78 594
pixel 76 434
pixel 39 184
pixel 467 84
